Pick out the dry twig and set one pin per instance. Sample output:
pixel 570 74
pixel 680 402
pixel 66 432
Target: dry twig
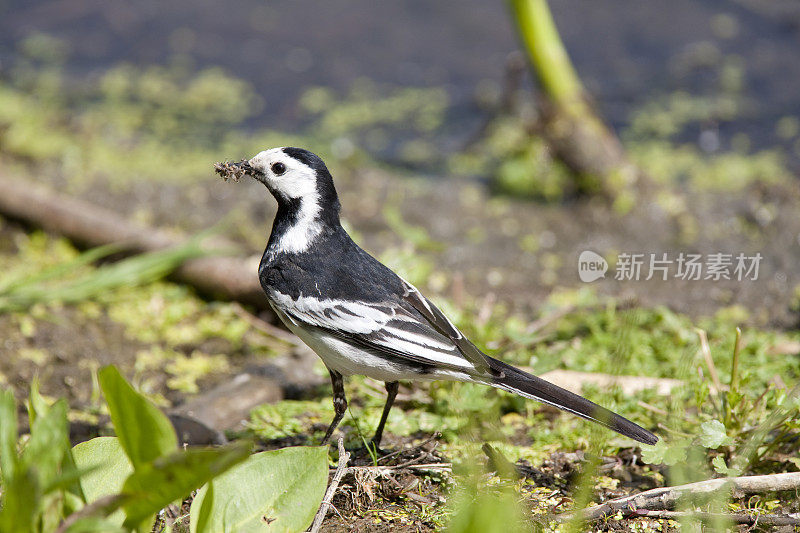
pixel 419 446
pixel 341 469
pixel 265 327
pixel 712 368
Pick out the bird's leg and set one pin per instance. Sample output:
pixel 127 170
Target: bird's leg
pixel 391 393
pixel 339 403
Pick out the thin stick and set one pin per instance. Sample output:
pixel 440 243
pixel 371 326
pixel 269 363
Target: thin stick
pixel 419 446
pixel 764 519
pixel 341 468
pixel 706 351
pixel 427 467
pixel 264 326
pixel 652 408
pixel 666 497
pixel 544 321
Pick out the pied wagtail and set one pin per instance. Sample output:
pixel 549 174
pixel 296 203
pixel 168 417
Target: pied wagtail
pixel 362 318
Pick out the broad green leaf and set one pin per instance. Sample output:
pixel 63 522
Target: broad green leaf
pixel 713 434
pixel 273 491
pixel 144 432
pixel 154 485
pixel 108 466
pixel 8 435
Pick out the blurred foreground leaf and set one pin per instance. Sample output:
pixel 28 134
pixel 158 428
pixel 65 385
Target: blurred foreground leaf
pixel 107 468
pixel 8 435
pixel 273 491
pixel 144 432
pixel 155 485
pixel 68 283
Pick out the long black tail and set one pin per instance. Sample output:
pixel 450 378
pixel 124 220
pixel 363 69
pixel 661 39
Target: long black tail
pixel 515 380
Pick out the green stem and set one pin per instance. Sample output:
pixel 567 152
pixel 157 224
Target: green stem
pixel 728 396
pixel 546 51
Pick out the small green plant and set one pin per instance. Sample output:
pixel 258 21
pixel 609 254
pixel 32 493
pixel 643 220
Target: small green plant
pixel 737 428
pixel 121 483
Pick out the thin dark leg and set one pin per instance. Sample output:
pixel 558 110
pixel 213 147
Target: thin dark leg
pixel 339 403
pixel 391 392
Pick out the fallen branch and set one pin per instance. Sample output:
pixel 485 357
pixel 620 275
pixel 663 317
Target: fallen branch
pixel 228 277
pixel 666 497
pixel 757 519
pixel 382 470
pixel 341 469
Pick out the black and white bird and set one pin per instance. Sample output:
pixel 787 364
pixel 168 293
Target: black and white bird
pixel 362 318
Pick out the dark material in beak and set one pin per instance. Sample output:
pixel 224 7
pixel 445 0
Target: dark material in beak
pixel 235 171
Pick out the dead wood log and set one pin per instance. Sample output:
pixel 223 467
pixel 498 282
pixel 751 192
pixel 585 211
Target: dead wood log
pixel 666 497
pixel 221 276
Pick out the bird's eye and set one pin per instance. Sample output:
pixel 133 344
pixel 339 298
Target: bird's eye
pixel 278 168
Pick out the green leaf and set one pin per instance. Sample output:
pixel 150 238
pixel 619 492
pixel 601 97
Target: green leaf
pixel 8 435
pixel 20 500
pixel 721 468
pixel 713 434
pixel 37 406
pixel 154 485
pixel 477 510
pixel 108 467
pixel 48 444
pixel 663 452
pixel 94 524
pixel 272 491
pixel 143 430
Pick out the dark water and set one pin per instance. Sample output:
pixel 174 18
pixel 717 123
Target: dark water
pixel 627 52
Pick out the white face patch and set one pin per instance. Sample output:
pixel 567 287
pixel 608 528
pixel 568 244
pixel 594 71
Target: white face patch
pixel 296 179
pixel 292 179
